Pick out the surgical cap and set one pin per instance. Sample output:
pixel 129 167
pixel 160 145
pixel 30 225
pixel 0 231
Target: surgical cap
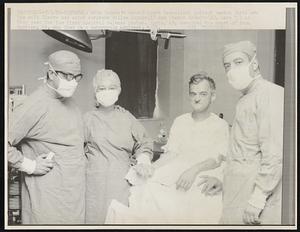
pixel 65 61
pixel 242 46
pixel 106 74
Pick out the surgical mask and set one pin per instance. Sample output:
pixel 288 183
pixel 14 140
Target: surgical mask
pixel 65 88
pixel 107 97
pixel 239 77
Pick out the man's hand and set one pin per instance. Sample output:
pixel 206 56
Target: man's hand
pixel 144 170
pixel 186 179
pixel 43 165
pixel 212 185
pixel 251 215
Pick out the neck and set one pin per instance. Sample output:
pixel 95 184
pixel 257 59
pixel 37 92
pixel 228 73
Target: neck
pixel 245 91
pixel 106 109
pixel 200 116
pixel 51 89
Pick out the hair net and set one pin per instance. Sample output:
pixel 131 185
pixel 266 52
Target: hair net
pixel 65 61
pixel 242 46
pixel 106 74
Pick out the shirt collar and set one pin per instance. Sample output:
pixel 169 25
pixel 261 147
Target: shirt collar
pixel 253 85
pixel 51 92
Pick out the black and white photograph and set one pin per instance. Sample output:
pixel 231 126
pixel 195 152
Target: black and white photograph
pixel 161 126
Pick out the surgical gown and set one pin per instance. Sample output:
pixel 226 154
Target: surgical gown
pixel 158 200
pixel 112 141
pixel 255 154
pixel 45 123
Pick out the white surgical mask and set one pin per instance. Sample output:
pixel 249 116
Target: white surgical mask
pixel 107 97
pixel 65 88
pixel 239 76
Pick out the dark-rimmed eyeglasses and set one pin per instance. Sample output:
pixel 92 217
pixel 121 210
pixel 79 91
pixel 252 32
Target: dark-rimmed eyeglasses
pixel 69 76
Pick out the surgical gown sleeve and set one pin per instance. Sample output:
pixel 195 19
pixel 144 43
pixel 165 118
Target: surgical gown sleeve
pixel 23 119
pixel 270 137
pixel 86 121
pixel 142 142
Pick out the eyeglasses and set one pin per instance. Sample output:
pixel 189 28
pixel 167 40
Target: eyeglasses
pixel 70 76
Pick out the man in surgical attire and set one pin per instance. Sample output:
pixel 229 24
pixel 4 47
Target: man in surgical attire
pixel 253 176
pixel 47 124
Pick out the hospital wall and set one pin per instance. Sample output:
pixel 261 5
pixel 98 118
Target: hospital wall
pixel 200 50
pixel 28 50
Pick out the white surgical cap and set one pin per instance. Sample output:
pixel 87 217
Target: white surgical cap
pixel 105 74
pixel 242 46
pixel 65 61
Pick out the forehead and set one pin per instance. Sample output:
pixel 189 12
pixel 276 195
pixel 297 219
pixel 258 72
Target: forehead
pixel 235 55
pixel 107 81
pixel 69 71
pixel 202 86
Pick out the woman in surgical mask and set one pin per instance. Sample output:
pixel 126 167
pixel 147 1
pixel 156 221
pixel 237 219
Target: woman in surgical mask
pixel 115 141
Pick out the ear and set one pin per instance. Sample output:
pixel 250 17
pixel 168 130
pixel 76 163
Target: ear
pixel 213 96
pixel 255 65
pixel 120 90
pixel 97 104
pixel 50 74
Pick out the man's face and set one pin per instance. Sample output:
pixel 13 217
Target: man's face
pixel 201 96
pixel 235 59
pixel 55 74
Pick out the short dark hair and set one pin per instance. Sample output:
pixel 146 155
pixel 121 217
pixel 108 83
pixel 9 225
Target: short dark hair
pixel 197 78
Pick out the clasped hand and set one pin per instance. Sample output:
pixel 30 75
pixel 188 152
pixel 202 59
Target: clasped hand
pixel 144 170
pixel 43 165
pixel 251 215
pixel 211 185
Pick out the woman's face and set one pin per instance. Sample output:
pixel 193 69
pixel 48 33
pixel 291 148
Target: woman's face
pixel 107 84
pixel 107 91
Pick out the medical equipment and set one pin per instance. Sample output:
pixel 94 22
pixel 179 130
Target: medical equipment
pixel 81 40
pixel 17 94
pixel 75 38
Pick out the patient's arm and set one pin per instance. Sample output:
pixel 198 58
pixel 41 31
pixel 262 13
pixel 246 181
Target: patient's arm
pixel 207 164
pixel 188 177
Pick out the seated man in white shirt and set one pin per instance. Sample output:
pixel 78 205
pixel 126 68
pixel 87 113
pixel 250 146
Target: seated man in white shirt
pixel 196 147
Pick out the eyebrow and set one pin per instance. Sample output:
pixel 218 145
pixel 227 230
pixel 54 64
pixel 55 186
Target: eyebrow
pixel 103 86
pixel 68 73
pixel 238 58
pixel 198 92
pixel 235 60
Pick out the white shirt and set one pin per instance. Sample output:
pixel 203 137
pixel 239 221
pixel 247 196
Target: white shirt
pixel 192 142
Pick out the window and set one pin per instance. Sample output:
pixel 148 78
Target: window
pixel 279 57
pixel 133 57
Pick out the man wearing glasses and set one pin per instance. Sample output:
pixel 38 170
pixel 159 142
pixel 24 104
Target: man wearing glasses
pixel 46 143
